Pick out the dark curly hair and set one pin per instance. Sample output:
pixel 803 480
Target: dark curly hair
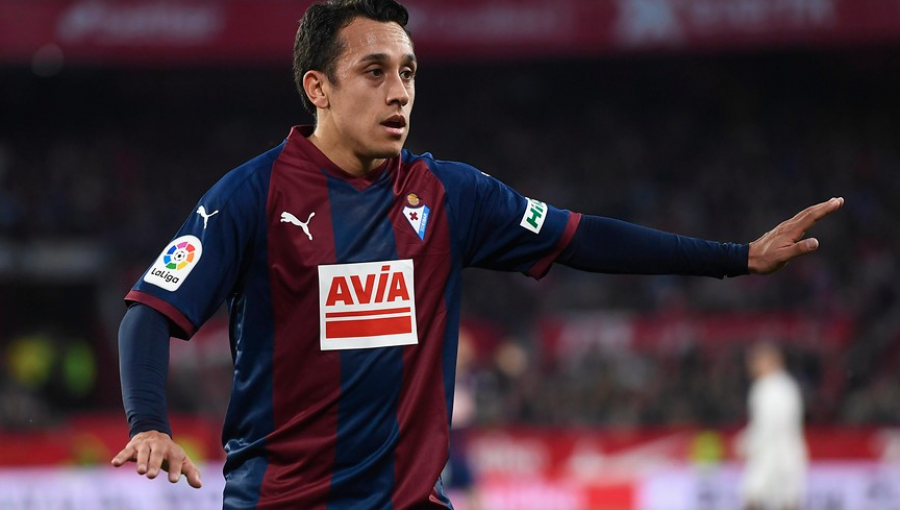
pixel 318 46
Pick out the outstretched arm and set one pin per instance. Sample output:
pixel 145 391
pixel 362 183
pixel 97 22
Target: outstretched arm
pixel 785 242
pixel 143 359
pixel 606 245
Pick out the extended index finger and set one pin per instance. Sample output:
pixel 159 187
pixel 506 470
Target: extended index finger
pixel 809 216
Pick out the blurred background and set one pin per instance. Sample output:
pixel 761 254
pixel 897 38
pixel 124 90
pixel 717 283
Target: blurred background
pixel 710 118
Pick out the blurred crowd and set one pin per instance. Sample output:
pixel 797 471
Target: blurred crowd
pixel 720 147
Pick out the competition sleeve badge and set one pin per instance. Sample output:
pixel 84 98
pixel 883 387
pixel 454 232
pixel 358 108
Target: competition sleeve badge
pixel 175 263
pixel 535 214
pixel 416 214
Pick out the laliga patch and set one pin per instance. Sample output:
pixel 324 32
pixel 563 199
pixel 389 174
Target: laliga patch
pixel 367 305
pixel 535 214
pixel 416 214
pixel 175 263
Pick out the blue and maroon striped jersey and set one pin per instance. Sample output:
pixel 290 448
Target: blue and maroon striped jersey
pixel 344 297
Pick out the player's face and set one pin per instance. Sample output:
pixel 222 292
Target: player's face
pixel 370 105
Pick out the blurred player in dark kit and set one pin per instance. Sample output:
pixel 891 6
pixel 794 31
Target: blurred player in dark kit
pixel 339 256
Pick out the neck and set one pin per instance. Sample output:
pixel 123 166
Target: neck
pixel 343 156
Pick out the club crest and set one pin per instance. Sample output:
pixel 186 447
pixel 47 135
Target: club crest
pixel 416 213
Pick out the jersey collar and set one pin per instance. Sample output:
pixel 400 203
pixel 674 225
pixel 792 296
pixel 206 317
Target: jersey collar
pixel 298 138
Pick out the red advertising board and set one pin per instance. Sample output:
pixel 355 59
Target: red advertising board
pixel 667 469
pixel 498 453
pixel 515 468
pixel 243 32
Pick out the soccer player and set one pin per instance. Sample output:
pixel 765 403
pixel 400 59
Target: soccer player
pixel 773 443
pixel 339 255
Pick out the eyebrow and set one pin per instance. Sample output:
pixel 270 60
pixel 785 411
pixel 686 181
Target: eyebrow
pixel 409 58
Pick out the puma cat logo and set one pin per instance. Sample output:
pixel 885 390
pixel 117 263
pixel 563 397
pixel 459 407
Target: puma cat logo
pixel 287 217
pixel 202 212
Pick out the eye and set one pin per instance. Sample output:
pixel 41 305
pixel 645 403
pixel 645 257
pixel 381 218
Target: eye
pixel 375 72
pixel 408 74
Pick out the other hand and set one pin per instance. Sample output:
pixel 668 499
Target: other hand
pixel 785 242
pixel 153 451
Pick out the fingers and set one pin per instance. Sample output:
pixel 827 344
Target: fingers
pixel 174 469
pixel 127 454
pixel 154 451
pixel 192 473
pixel 154 460
pixel 185 467
pixel 778 257
pixel 188 469
pixel 809 216
pixel 800 248
pixel 785 242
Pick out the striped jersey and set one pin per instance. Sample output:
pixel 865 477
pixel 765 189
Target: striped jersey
pixel 343 295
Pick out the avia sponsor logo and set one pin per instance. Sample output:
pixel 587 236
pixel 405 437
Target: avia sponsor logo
pixel 367 305
pixel 175 263
pixel 143 22
pixel 535 214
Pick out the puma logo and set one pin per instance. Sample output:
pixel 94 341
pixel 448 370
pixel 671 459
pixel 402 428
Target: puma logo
pixel 202 212
pixel 287 217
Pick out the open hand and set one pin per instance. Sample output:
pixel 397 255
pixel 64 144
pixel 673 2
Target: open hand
pixel 153 451
pixel 785 242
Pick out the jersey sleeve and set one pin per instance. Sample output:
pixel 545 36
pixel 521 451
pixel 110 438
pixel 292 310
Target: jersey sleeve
pixel 498 228
pixel 202 265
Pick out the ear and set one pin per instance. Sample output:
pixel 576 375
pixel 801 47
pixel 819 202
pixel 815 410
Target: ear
pixel 315 84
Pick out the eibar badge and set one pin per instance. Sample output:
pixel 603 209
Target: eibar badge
pixel 416 214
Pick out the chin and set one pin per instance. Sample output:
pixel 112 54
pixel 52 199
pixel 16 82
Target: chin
pixel 390 151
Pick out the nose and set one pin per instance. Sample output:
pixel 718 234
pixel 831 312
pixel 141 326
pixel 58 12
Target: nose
pixel 397 91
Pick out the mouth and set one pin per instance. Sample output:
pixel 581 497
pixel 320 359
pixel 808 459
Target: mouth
pixel 395 124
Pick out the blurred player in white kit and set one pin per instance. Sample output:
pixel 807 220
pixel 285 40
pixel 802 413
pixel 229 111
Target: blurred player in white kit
pixel 773 442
